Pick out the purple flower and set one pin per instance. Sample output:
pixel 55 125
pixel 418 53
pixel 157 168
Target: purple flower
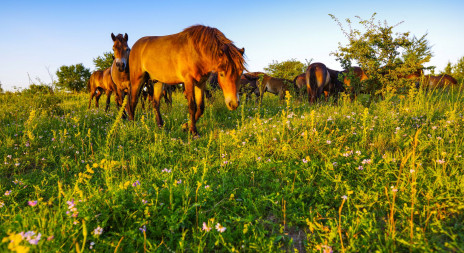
pixel 32 203
pixel 143 229
pixel 136 183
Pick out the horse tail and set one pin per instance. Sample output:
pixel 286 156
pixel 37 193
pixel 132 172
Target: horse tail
pixel 311 82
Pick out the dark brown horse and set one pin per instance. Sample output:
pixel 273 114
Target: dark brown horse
pixel 440 81
pixel 120 67
pixel 249 85
pixel 100 81
pixel 148 92
pixel 299 84
pixel 187 57
pixel 317 80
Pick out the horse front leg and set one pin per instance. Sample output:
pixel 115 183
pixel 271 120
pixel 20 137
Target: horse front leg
pixel 200 102
pixel 190 95
pixel 108 99
pixel 137 80
pixel 157 93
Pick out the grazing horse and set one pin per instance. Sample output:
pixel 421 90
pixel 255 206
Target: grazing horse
pixel 100 81
pixel 187 57
pixel 440 81
pixel 299 83
pixel 120 67
pixel 317 80
pixel 359 76
pixel 248 85
pixel 277 86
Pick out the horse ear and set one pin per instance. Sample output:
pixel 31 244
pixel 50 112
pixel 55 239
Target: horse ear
pixel 113 37
pixel 242 51
pixel 126 38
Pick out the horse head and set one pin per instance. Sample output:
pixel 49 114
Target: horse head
pixel 121 51
pixel 229 71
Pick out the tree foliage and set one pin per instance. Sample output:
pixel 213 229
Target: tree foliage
pixel 288 69
pixel 1 89
pixel 385 56
pixel 458 70
pixel 72 77
pixel 104 62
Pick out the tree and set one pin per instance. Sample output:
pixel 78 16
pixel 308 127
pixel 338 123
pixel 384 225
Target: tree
pixel 448 69
pixel 73 77
pixel 384 56
pixel 1 89
pixel 458 70
pixel 104 62
pixel 287 69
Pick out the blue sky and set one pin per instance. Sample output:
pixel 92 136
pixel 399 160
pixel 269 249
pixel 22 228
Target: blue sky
pixel 41 35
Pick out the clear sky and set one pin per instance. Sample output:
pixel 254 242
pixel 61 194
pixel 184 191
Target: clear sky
pixel 37 36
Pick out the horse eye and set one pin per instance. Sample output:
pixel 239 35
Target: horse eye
pixel 221 74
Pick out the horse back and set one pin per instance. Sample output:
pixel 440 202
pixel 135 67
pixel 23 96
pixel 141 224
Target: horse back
pixel 96 79
pixel 160 55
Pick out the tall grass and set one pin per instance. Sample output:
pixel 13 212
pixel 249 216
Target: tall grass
pixel 276 176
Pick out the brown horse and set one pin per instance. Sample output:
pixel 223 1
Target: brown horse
pixel 120 67
pixel 277 86
pixel 440 81
pixel 187 57
pixel 100 81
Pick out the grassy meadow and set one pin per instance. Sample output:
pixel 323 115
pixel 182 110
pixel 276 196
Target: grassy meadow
pixel 280 176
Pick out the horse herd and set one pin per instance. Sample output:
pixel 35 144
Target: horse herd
pixel 201 54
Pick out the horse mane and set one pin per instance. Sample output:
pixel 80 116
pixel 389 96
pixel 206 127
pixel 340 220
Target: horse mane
pixel 212 40
pixel 120 37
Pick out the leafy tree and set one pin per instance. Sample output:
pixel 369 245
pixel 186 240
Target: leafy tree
pixel 458 70
pixel 287 69
pixel 72 77
pixel 385 56
pixel 104 62
pixel 1 89
pixel 448 69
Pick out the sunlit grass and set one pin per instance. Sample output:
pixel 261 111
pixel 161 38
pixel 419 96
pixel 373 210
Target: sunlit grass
pixel 269 177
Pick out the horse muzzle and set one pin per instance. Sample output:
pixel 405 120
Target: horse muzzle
pixel 232 104
pixel 121 66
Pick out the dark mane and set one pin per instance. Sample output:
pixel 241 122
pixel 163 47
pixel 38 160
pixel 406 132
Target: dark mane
pixel 120 37
pixel 214 41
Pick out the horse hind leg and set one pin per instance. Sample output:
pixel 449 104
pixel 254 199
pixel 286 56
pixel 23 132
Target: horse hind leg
pixel 97 98
pixel 92 94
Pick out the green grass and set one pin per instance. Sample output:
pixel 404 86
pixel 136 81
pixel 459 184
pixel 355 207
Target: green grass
pixel 279 177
